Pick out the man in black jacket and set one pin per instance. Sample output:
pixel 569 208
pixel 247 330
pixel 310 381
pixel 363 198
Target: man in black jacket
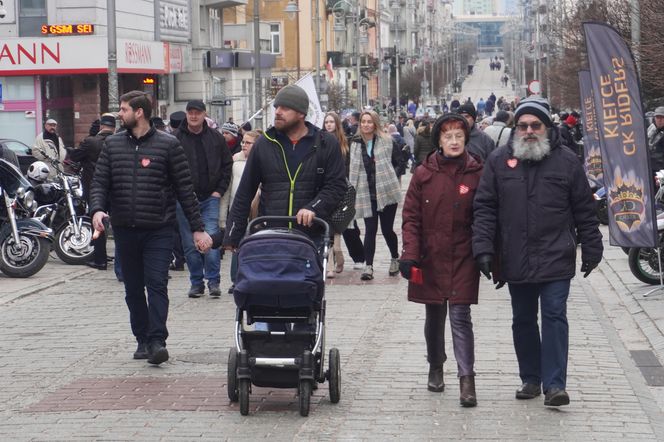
pixel 287 166
pixel 87 154
pixel 139 175
pixel 532 205
pixel 210 163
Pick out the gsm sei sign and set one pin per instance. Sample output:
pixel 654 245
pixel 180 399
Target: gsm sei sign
pixel 81 29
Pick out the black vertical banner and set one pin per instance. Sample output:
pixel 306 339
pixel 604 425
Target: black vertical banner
pixel 622 134
pixel 591 147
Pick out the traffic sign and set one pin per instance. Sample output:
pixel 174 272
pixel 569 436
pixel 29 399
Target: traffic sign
pixel 535 87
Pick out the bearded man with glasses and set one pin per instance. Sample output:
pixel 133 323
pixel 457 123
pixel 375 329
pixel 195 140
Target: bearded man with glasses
pixel 532 207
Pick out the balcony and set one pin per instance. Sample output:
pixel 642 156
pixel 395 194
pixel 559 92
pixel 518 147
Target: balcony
pixel 221 4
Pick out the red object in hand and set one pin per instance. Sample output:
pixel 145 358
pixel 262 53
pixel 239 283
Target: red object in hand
pixel 416 275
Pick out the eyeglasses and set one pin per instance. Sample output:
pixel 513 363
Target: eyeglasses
pixel 535 126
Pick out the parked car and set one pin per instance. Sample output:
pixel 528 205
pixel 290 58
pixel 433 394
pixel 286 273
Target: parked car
pixel 22 151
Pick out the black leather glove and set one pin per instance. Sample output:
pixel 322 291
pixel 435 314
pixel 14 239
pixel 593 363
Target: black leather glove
pixel 499 284
pixel 405 267
pixel 484 263
pixel 587 267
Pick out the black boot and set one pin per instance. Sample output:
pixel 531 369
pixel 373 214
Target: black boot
pixel 467 398
pixel 436 382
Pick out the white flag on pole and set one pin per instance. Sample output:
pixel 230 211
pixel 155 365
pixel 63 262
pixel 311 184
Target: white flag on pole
pixel 315 116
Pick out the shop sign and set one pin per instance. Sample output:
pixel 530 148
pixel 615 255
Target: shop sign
pixel 220 59
pixel 140 56
pixel 81 29
pixel 177 58
pixel 174 20
pixel 247 60
pixel 53 55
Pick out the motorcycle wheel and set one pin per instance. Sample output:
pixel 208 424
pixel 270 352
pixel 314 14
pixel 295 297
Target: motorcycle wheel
pixel 72 249
pixel 644 265
pixel 24 259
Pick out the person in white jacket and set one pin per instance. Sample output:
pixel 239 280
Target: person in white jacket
pixel 239 161
pixel 498 131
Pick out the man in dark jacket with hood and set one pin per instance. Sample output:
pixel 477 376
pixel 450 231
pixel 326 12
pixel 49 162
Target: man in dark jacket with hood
pixel 139 175
pixel 532 205
pixel 480 143
pixel 210 163
pixel 286 162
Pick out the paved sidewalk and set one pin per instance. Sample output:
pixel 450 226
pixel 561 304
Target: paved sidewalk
pixel 66 371
pixel 482 83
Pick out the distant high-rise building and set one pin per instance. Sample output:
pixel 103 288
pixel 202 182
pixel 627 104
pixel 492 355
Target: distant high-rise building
pixel 475 7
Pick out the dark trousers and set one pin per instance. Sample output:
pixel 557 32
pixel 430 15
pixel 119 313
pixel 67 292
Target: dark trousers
pixel 463 339
pixel 386 218
pixel 145 256
pixel 354 242
pixel 542 359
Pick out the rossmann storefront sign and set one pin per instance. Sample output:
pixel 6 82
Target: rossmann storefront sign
pixel 79 55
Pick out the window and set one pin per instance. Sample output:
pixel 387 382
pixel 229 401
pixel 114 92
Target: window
pixel 31 15
pixel 214 28
pixel 275 36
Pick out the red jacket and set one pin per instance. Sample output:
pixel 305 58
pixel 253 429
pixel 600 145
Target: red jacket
pixel 437 218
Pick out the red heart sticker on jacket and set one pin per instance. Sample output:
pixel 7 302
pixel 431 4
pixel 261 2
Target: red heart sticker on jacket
pixel 512 162
pixel 463 189
pixel 145 162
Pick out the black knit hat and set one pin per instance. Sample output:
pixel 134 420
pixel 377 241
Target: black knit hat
pixel 536 106
pixel 293 97
pixel 437 127
pixel 468 108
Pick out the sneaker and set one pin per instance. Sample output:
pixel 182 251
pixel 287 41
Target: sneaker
pixel 555 397
pixel 141 351
pixel 231 289
pixel 367 274
pixel 196 291
pixel 214 289
pixel 394 267
pixel 158 353
pixel 358 265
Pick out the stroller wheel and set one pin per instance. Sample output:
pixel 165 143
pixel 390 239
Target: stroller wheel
pixel 231 368
pixel 244 387
pixel 334 376
pixel 305 397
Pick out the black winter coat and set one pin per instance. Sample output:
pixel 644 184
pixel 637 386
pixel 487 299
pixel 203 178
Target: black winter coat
pixel 87 154
pixel 216 154
pixel 532 214
pixel 267 167
pixel 141 179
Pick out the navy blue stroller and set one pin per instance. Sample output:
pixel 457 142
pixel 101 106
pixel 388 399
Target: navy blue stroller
pixel 280 316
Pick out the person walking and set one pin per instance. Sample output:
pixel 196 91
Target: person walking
pixel 88 154
pixel 440 199
pixel 480 143
pixel 239 162
pixel 532 207
pixel 332 125
pixel 372 173
pixel 286 163
pixel 210 163
pixel 423 145
pixel 498 131
pixel 140 173
pixel 42 150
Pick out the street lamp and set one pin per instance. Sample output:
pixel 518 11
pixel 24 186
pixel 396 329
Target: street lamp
pixel 292 10
pixel 293 13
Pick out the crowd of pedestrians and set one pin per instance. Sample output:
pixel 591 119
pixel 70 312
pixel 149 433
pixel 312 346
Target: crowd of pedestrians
pixel 500 195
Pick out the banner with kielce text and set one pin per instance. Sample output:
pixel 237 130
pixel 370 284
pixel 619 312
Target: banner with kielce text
pixel 622 135
pixel 592 155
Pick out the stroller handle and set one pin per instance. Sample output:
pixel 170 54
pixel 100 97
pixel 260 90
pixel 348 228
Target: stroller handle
pixel 262 219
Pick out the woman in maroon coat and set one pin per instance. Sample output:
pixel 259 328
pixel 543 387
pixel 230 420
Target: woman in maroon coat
pixel 437 217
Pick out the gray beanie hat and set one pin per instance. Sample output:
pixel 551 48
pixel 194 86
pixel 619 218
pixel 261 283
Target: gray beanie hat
pixel 293 97
pixel 536 106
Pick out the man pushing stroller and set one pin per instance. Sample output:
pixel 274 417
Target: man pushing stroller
pixel 286 162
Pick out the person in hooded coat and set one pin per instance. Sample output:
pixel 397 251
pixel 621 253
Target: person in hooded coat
pixel 437 217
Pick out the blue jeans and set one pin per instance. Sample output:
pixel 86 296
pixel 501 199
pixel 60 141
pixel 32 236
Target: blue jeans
pixel 541 359
pixel 198 262
pixel 145 255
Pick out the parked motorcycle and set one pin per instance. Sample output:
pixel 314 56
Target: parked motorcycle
pixel 63 209
pixel 24 241
pixel 644 262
